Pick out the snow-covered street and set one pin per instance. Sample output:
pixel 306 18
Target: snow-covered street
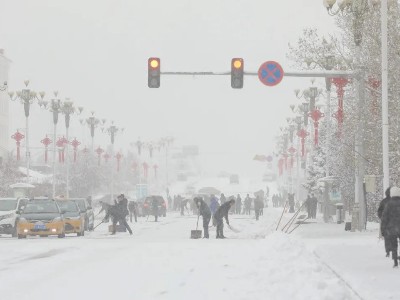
pixel 160 261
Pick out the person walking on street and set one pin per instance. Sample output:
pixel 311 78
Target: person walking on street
pixel 118 213
pixel 291 202
pixel 391 222
pixel 205 212
pixel 222 198
pixel 238 205
pixel 257 206
pixel 133 208
pixel 154 208
pixel 314 205
pixel 381 208
pixel 221 213
pixel 308 206
pixel 247 205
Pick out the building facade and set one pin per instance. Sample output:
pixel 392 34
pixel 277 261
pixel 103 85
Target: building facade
pixel 4 108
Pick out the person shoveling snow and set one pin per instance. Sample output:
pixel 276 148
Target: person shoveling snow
pixel 221 213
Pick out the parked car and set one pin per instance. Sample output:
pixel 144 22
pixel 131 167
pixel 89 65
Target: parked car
pixel 87 211
pixel 9 214
pixel 41 217
pixel 148 206
pixel 74 220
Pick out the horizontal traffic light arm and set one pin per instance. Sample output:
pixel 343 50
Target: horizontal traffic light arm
pixel 331 74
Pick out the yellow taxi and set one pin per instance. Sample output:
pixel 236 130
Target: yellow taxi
pixel 41 217
pixel 74 221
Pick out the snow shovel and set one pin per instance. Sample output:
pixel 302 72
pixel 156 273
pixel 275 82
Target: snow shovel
pixel 196 234
pixel 98 225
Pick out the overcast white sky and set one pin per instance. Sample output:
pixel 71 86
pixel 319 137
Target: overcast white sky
pixel 96 51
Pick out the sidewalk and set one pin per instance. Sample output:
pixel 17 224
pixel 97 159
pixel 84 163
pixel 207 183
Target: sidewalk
pixel 357 257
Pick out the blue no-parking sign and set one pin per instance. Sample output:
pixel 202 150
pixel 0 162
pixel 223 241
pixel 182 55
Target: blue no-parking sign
pixel 270 73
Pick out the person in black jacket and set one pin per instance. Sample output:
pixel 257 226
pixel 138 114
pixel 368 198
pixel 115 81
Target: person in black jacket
pixel 154 206
pixel 133 209
pixel 380 213
pixel 391 222
pixel 118 213
pixel 221 213
pixel 205 212
pixel 258 205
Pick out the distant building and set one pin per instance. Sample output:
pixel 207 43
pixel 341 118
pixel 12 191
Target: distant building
pixel 4 108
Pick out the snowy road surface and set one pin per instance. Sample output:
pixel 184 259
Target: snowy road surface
pixel 160 262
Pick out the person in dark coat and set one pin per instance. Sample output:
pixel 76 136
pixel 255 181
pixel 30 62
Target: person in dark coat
pixel 247 205
pixel 154 208
pixel 133 209
pixel 221 213
pixel 314 206
pixel 118 213
pixel 205 212
pixel 258 205
pixel 308 206
pixel 391 222
pixel 291 202
pixel 381 208
pixel 238 204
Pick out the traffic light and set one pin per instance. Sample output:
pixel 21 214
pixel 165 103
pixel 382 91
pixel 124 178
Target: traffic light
pixel 237 73
pixel 154 72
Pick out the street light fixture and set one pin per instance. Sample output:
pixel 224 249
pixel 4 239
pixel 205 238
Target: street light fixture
pixel 27 97
pixel 68 109
pixel 93 123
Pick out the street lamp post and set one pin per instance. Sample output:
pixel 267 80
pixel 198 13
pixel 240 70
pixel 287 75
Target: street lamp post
pixel 27 96
pixel 93 123
pixel 67 108
pixel 112 130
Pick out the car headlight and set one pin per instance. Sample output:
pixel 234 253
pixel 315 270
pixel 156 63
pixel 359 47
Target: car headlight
pixel 22 220
pixel 6 216
pixel 73 218
pixel 58 219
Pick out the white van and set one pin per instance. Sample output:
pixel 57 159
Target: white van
pixel 9 213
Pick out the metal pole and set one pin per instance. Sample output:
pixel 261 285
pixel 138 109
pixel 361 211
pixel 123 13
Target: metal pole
pixel 67 160
pixel 385 110
pixel 54 159
pixel 28 154
pixel 112 171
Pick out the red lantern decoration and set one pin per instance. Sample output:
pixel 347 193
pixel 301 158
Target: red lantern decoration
pixel 118 157
pixel 375 85
pixel 61 147
pixel 155 167
pixel 281 161
pixel 18 137
pixel 75 143
pixel 46 142
pixel 291 151
pixel 285 157
pixel 99 152
pixel 340 83
pixel 106 157
pixel 302 134
pixel 145 169
pixel 316 115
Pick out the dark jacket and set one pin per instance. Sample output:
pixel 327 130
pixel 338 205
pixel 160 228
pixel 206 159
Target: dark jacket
pixel 383 203
pixel 122 205
pixel 391 217
pixel 204 210
pixel 223 211
pixel 115 212
pixel 258 203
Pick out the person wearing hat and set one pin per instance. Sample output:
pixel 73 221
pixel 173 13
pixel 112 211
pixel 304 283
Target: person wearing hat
pixel 205 212
pixel 118 213
pixel 221 213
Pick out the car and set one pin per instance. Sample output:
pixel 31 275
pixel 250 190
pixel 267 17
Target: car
pixel 87 210
pixel 74 220
pixel 41 217
pixel 9 213
pixel 148 203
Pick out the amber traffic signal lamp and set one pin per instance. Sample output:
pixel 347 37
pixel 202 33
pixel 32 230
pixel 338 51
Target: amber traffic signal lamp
pixel 237 72
pixel 154 72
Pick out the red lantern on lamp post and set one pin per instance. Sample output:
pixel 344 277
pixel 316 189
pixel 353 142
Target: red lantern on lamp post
pixel 340 84
pixel 75 143
pixel 18 137
pixel 118 157
pixel 145 169
pixel 302 134
pixel 99 152
pixel 106 157
pixel 291 151
pixel 46 142
pixel 61 147
pixel 316 115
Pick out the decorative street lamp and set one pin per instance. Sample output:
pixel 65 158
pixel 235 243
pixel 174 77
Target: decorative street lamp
pixel 18 137
pixel 112 131
pixel 46 142
pixel 27 97
pixel 93 123
pixel 118 157
pixel 68 109
pixel 99 152
pixel 75 144
pixel 106 157
pixel 305 109
pixel 316 115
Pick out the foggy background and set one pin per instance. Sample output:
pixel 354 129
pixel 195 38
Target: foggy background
pixel 96 51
